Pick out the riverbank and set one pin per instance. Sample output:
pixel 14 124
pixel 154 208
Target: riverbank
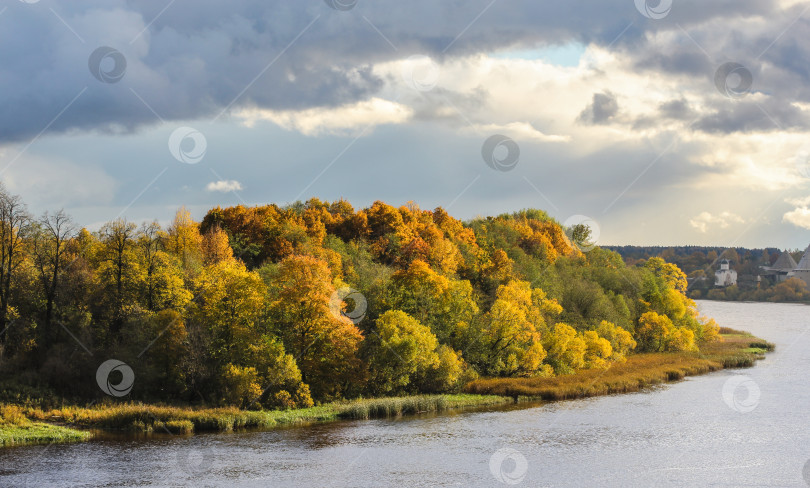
pixel 63 423
pixel 17 429
pixel 736 350
pixel 69 424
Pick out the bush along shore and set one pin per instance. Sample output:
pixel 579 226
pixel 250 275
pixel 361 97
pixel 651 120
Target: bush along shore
pixel 735 350
pixel 29 425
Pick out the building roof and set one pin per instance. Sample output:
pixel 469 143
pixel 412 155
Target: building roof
pixel 804 263
pixel 785 262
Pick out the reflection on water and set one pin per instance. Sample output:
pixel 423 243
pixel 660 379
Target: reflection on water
pixel 681 434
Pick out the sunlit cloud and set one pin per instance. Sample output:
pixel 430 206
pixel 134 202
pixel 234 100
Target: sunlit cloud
pixel 344 120
pixel 800 217
pixel 224 186
pixel 705 221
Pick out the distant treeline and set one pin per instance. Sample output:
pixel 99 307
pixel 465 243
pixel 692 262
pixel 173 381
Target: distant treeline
pixel 700 263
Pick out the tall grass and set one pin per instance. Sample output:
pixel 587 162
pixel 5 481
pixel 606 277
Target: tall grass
pixel 150 418
pixel 175 420
pixel 16 429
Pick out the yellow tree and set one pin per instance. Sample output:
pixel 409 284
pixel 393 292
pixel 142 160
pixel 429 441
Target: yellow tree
pixel 184 239
pixel 597 350
pixel 231 305
pixel 621 341
pixel 215 246
pixel 325 344
pixel 400 349
pixel 566 349
pixel 118 271
pixel 514 328
pixel 445 305
pixel 653 332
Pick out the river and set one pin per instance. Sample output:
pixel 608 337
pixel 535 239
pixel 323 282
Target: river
pixel 730 428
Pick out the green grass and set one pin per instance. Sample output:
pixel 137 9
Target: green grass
pixel 17 429
pixel 39 433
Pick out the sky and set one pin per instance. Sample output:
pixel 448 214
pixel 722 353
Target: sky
pixel 665 122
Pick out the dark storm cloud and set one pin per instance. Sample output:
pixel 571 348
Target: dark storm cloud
pixel 748 115
pixel 603 108
pixel 676 109
pixel 189 59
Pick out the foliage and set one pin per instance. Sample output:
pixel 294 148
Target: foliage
pixel 285 307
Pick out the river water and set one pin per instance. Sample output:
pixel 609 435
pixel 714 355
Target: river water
pixel 730 428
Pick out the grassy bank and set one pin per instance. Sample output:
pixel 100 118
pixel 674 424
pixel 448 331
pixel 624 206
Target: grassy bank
pixel 26 425
pixel 736 350
pixel 184 420
pixel 17 429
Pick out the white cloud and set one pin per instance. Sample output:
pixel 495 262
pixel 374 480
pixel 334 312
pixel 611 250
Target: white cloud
pixel 705 221
pixel 224 186
pixel 345 120
pixel 800 217
pixel 799 202
pixel 520 131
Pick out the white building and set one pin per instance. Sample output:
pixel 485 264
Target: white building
pixel 726 276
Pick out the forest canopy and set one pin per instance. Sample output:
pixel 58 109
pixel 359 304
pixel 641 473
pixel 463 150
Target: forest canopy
pixel 281 307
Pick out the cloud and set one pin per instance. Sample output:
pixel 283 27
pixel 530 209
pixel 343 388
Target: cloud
pixel 350 119
pixel 603 108
pixel 799 202
pixel 281 56
pixel 224 186
pixel 705 220
pixel 800 217
pixel 521 131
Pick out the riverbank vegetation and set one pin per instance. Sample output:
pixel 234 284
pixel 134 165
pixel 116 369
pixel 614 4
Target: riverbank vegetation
pixel 277 308
pixel 16 428
pixel 141 418
pixel 734 350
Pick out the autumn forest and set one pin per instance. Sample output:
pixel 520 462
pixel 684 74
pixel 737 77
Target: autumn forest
pixel 283 307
